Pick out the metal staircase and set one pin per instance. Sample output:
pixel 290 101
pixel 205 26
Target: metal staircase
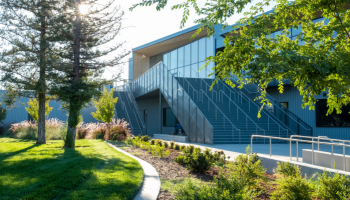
pixel 222 115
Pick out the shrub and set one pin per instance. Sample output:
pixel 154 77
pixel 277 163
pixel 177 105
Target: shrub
pixel 153 142
pixel 287 169
pixel 197 161
pixel 180 159
pixel 165 144
pixel 222 188
pixel 177 147
pixel 144 145
pixel 172 144
pixel 159 151
pixel 188 150
pixel 158 142
pixel 3 115
pixel 136 142
pixel 145 138
pixel 81 133
pixel 182 147
pixel 334 186
pixel 29 129
pixel 248 168
pixel 121 138
pixel 291 188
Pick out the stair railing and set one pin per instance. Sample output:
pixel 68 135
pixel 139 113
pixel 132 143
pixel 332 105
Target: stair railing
pixel 124 107
pixel 234 128
pixel 247 117
pixel 246 98
pixel 279 106
pixel 135 108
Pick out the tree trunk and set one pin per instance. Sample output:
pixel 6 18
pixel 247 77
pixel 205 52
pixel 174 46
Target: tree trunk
pixel 41 120
pixel 74 107
pixel 41 85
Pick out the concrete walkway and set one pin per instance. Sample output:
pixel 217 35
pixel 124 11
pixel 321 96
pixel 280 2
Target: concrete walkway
pixel 151 181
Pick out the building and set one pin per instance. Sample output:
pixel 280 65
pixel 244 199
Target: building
pixel 168 92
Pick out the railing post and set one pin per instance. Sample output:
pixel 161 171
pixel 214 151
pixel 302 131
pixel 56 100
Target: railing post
pixel 344 165
pixel 297 151
pixel 251 145
pixel 318 144
pixel 290 149
pixel 270 147
pixel 332 158
pixel 312 157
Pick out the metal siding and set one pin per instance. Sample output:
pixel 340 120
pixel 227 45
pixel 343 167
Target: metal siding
pixel 294 99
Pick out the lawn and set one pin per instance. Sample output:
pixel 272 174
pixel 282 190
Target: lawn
pixel 93 170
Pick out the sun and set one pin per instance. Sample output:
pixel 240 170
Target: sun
pixel 83 9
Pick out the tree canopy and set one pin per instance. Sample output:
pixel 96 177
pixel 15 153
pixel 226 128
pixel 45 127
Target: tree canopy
pixel 316 60
pixel 105 106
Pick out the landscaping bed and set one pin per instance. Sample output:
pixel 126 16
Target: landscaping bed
pixel 171 172
pixel 191 173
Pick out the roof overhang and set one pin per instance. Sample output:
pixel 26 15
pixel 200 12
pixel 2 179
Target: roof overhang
pixel 170 42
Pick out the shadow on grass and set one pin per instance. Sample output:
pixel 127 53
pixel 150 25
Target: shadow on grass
pixel 70 175
pixel 4 156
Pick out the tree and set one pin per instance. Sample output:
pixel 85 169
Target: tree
pixel 29 51
pixel 3 114
pixel 318 60
pixel 90 41
pixel 33 108
pixel 105 107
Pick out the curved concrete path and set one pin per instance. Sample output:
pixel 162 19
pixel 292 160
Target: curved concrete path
pixel 151 181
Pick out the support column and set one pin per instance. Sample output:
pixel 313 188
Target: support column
pixel 160 113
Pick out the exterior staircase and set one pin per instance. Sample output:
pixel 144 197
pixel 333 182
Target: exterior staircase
pixel 222 115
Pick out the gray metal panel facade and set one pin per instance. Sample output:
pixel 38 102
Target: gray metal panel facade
pixel 294 99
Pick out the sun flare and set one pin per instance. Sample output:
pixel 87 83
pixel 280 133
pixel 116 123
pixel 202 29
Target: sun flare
pixel 83 9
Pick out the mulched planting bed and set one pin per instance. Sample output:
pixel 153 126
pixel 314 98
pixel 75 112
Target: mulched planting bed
pixel 167 168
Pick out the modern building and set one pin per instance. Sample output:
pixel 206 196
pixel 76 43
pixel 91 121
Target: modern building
pixel 168 91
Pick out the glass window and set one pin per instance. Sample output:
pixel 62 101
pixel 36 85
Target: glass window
pixel 194 52
pixel 165 60
pixel 194 70
pixel 169 118
pixel 202 70
pixel 188 54
pixel 180 57
pixel 187 71
pixel 180 71
pixel 296 31
pixel 210 46
pixel 174 59
pixel 334 119
pixel 201 49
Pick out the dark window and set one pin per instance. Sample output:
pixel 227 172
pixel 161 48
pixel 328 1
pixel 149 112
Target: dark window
pixel 334 119
pixel 169 118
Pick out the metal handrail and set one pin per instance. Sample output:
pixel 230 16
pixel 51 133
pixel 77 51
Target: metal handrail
pixel 305 141
pixel 233 102
pixel 274 103
pixel 126 110
pixel 189 84
pixel 264 111
pixel 268 114
pixel 132 99
pixel 243 112
pixel 188 95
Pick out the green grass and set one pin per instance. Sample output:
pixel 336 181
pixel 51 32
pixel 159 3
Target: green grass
pixel 93 170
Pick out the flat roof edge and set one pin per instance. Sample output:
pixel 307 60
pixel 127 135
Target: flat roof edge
pixel 167 37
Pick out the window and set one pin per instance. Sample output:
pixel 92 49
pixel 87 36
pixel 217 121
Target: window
pixel 332 120
pixel 169 118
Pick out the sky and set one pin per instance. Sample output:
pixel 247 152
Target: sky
pixel 146 24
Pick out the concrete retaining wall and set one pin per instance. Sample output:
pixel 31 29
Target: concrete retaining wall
pixel 324 159
pixel 174 138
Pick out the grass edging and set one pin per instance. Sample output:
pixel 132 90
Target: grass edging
pixel 151 181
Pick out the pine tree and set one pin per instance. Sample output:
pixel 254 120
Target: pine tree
pixel 28 51
pixel 90 41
